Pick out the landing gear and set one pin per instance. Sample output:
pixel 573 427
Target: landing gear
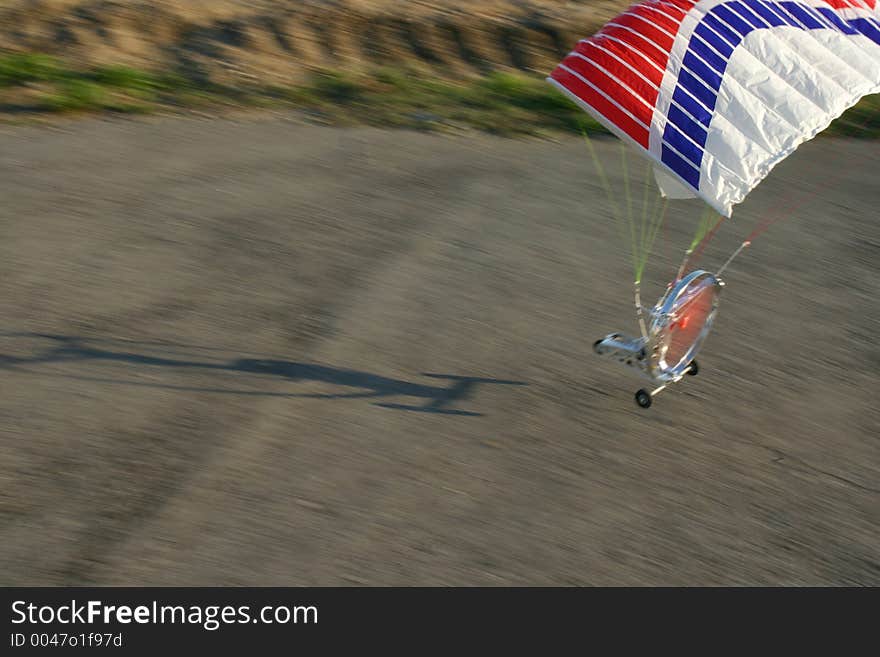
pixel 693 368
pixel 643 398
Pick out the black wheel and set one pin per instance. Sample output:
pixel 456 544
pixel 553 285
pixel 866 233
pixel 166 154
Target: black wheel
pixel 693 368
pixel 596 345
pixel 643 398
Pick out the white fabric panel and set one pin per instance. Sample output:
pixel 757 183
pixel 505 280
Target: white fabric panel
pixel 782 87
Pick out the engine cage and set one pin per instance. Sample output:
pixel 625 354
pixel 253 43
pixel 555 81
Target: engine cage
pixel 648 354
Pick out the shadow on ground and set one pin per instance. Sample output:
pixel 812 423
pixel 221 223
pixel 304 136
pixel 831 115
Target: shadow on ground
pixel 365 385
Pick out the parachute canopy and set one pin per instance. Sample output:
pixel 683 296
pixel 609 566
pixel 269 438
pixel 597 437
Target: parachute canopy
pixel 717 92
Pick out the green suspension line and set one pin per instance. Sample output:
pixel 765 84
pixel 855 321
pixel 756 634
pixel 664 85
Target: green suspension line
pixel 641 233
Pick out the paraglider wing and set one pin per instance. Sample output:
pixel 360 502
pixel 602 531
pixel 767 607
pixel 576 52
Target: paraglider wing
pixel 717 92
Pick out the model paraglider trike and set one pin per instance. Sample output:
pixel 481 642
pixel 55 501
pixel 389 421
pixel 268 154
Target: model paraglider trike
pixel 679 323
pixel 712 95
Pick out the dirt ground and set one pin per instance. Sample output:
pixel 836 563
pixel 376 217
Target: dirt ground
pixel 280 42
pixel 256 352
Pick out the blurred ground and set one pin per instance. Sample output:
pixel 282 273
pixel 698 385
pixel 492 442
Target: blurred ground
pixel 232 355
pixel 279 42
pixel 434 65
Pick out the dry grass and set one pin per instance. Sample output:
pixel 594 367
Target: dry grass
pixel 283 42
pixel 429 65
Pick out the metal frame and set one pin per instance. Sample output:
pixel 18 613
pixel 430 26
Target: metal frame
pixel 647 354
